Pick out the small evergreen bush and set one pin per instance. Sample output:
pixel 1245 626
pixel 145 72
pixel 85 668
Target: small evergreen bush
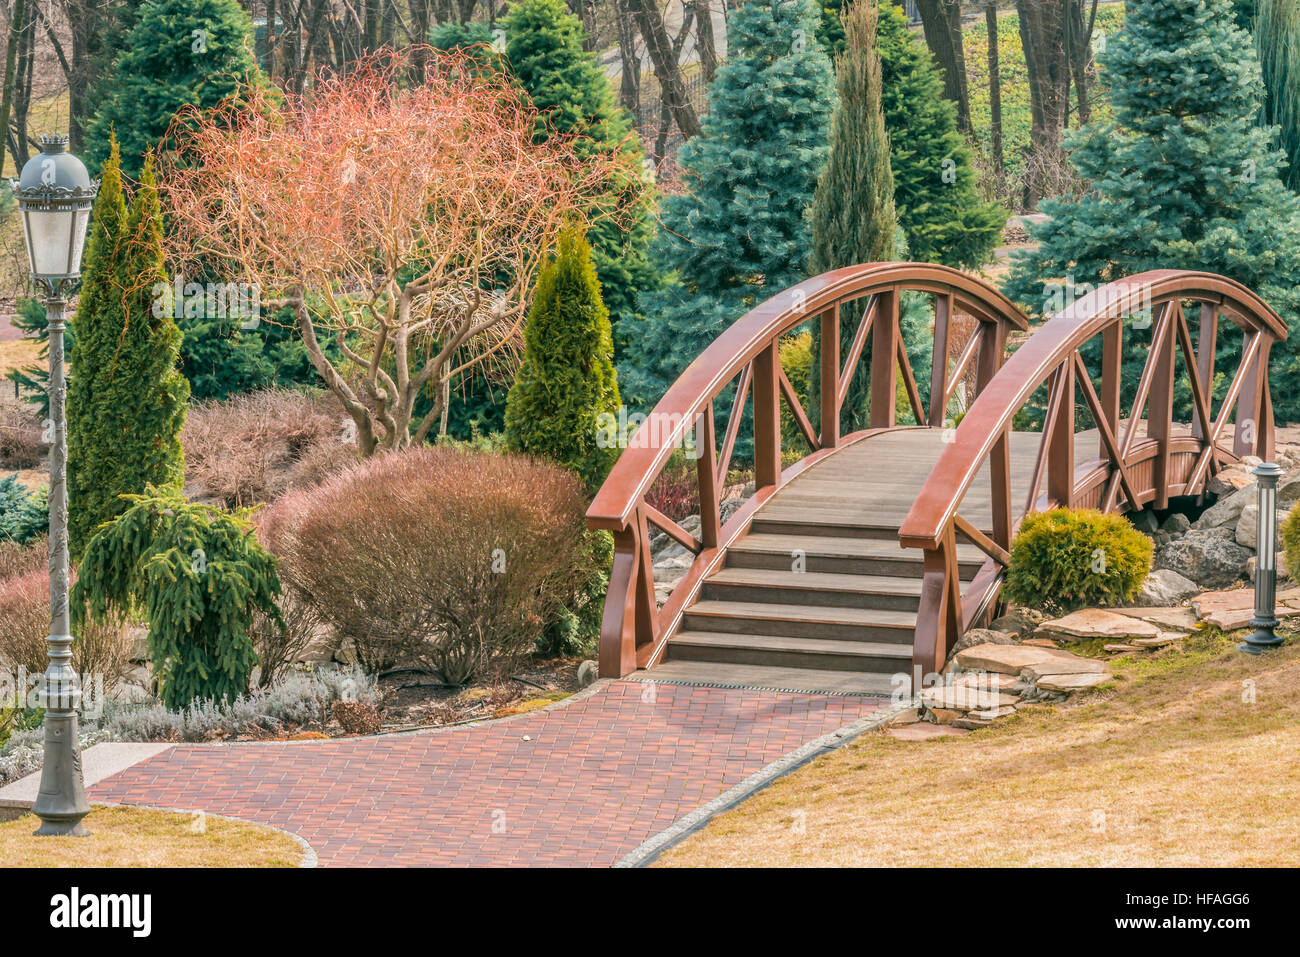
pixel 1291 542
pixel 1066 559
pixel 24 515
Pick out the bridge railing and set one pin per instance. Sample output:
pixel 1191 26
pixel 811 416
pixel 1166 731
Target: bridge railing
pixel 1129 470
pixel 745 357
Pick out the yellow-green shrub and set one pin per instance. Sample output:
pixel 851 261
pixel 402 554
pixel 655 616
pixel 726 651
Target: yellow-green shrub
pixel 1291 542
pixel 1072 558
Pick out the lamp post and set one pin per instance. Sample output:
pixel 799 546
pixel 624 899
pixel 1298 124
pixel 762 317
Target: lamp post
pixel 54 194
pixel 1265 620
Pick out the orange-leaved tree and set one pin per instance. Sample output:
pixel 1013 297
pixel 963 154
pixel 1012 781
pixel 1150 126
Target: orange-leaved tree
pixel 408 220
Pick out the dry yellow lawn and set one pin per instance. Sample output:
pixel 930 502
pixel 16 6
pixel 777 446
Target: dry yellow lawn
pixel 16 354
pixel 1166 766
pixel 134 837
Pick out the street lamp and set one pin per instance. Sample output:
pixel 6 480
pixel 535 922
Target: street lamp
pixel 54 194
pixel 1265 621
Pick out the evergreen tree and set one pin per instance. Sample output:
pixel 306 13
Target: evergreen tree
pixel 126 401
pixel 853 218
pixel 568 85
pixel 1182 178
pixel 738 233
pixel 934 177
pixel 178 52
pixel 567 379
pixel 1277 39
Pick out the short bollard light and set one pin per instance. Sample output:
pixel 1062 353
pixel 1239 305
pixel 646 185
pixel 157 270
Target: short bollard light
pixel 1265 621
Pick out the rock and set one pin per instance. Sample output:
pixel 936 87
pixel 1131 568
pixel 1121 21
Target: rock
pixel 1039 642
pixel 1208 556
pixel 1006 659
pixel 1288 489
pixel 1227 510
pixel 729 507
pixel 1162 538
pixel 1181 618
pixel 944 716
pixel 1159 641
pixel 1018 621
pixel 1248 525
pixel 1121 649
pixel 974 720
pixel 1064 666
pixel 1089 623
pixel 1075 682
pixel 1145 521
pixel 1279 564
pixel 982 636
pixel 1235 608
pixel 1164 586
pixel 588 671
pixel 989 681
pixel 959 698
pixel 1176 524
pixel 1250 461
pixel 1229 480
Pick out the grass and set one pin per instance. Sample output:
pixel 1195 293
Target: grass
pixel 135 837
pixel 18 354
pixel 1170 764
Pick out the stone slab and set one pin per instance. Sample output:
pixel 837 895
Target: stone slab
pixel 1006 659
pixel 1064 666
pixel 1088 623
pixel 1179 618
pixel 959 698
pixel 1071 682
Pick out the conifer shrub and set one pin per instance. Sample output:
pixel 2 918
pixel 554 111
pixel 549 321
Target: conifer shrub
pixel 1290 535
pixel 1066 559
pixel 434 557
pixel 567 379
pixel 24 514
pixel 199 574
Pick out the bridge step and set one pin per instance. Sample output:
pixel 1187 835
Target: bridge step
pixel 841 555
pixel 791 652
pixel 813 588
pixel 777 678
pixel 802 621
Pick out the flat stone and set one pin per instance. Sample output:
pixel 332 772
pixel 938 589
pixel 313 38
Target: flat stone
pixel 1076 682
pixel 987 680
pixel 1039 643
pixel 1230 480
pixel 1064 666
pixel 1088 623
pixel 1159 641
pixel 944 716
pixel 1121 649
pixel 1164 587
pixel 1006 659
pixel 959 698
pixel 1180 618
pixel 974 720
pixel 923 732
pixel 1234 608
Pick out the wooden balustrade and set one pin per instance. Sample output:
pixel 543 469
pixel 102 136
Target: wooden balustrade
pixel 745 356
pixel 1142 459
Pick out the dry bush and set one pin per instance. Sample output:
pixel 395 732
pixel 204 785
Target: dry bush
pixel 21 446
pixel 253 447
pixel 278 647
pixel 449 559
pixel 18 559
pixel 25 624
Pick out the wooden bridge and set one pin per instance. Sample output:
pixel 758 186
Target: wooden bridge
pixel 857 565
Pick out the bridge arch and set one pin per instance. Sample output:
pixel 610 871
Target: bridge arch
pixel 745 358
pixel 1139 459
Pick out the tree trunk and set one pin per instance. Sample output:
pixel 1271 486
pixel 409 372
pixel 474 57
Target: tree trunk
pixel 995 99
pixel 17 19
pixel 629 92
pixel 704 39
pixel 941 24
pixel 660 49
pixel 1042 35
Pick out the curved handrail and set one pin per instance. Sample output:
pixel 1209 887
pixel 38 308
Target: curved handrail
pixel 1030 366
pixel 742 341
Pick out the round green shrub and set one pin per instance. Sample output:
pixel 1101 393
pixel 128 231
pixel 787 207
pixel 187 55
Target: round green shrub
pixel 1291 542
pixel 1073 558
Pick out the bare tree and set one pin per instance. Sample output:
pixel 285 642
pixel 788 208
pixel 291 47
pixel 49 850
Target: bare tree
pixel 941 23
pixel 667 69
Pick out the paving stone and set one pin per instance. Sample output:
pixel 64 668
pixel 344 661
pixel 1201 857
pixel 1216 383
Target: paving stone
pixel 989 680
pixel 1006 659
pixel 974 720
pixel 1088 623
pixel 1234 608
pixel 1159 641
pixel 1071 682
pixel 1121 649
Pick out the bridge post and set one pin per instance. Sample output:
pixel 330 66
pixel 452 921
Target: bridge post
pixel 1112 375
pixel 939 363
pixel 830 377
pixel 1254 431
pixel 767 418
pixel 884 361
pixel 1205 344
pixel 1060 452
pixel 1160 408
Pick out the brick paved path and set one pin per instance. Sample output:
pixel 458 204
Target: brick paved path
pixel 578 785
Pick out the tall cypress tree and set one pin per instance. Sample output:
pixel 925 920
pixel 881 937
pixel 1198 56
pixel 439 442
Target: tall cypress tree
pixel 126 400
pixel 568 85
pixel 853 218
pixel 941 213
pixel 177 53
pixel 1182 178
pixel 738 232
pixel 567 379
pixel 1277 39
